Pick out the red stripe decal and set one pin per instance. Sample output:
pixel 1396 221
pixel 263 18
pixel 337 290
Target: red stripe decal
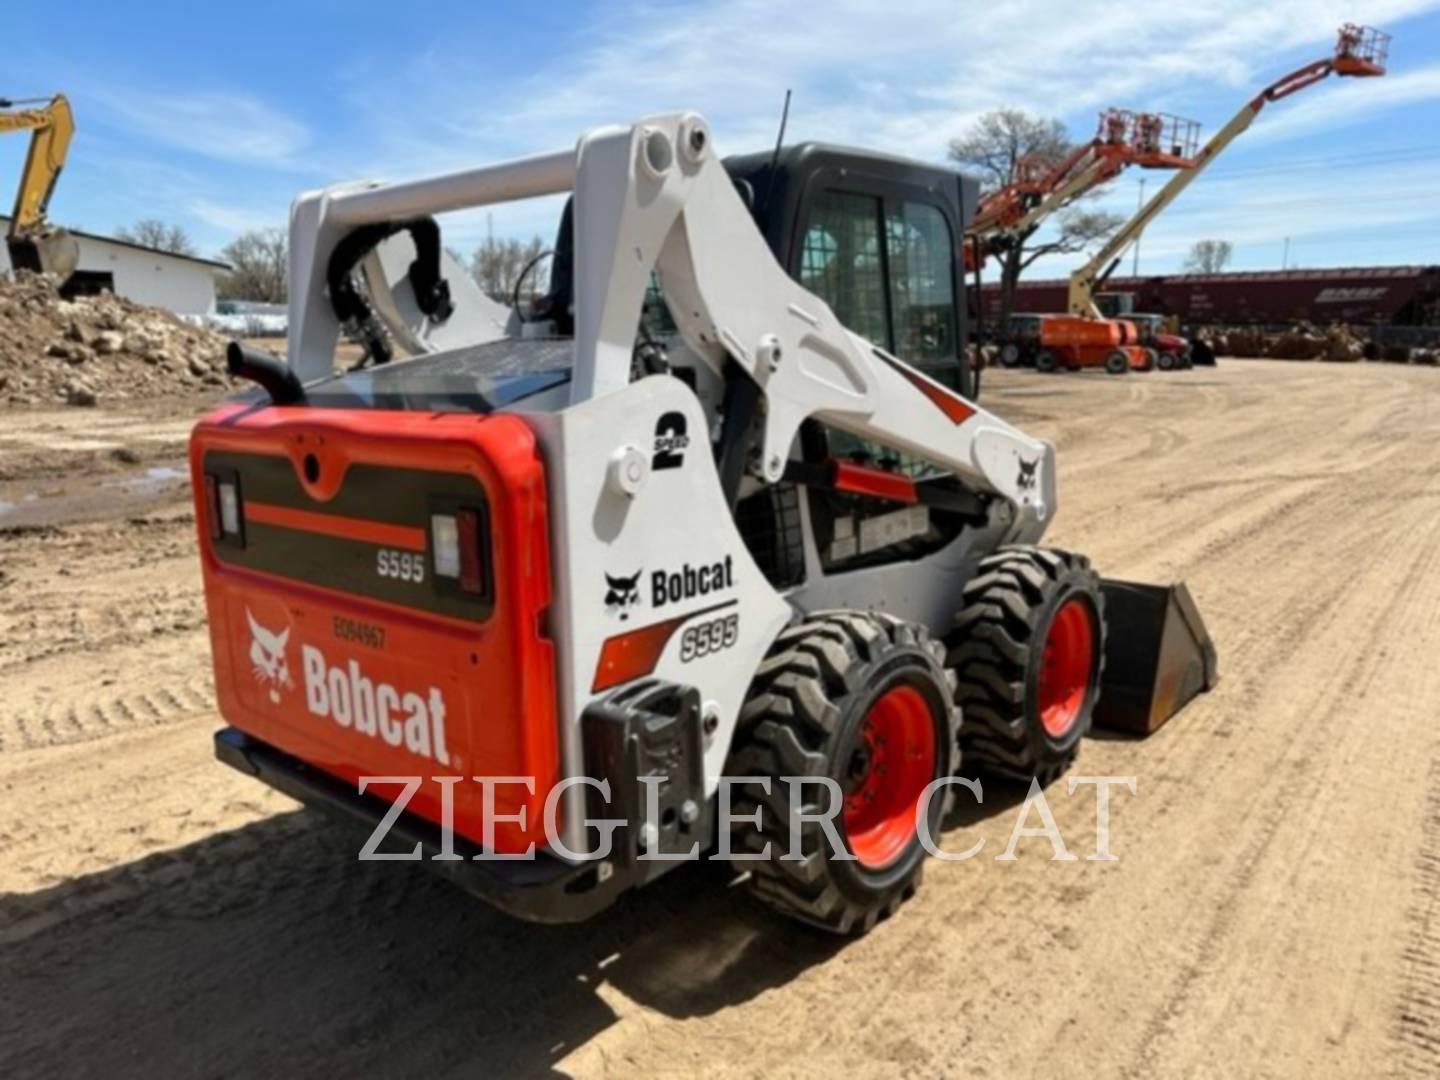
pixel 346 528
pixel 635 653
pixel 955 408
pixel 862 481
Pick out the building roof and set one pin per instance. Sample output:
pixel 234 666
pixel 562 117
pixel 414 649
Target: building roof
pixel 215 263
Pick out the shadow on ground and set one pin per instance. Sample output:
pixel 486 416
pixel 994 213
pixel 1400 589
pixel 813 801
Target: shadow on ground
pixel 267 949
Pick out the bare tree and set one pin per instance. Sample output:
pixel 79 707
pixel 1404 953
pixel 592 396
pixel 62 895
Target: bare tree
pixel 259 261
pixel 155 234
pixel 992 146
pixel 497 265
pixel 1209 256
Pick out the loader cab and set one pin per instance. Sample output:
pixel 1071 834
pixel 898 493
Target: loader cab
pixel 877 238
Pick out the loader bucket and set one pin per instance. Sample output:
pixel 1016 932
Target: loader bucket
pixel 1158 655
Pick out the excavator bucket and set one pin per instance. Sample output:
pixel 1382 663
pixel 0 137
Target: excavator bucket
pixel 1158 655
pixel 54 251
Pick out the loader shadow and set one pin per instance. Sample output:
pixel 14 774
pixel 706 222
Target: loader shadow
pixel 270 948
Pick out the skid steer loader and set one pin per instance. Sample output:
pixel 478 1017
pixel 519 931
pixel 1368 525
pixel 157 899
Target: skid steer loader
pixel 611 566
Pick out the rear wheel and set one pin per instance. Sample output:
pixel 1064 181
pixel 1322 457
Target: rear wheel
pixel 864 700
pixel 1151 359
pixel 1027 651
pixel 1168 361
pixel 1117 363
pixel 1047 361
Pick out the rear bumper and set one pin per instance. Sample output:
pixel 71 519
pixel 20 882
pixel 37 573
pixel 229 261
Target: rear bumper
pixel 544 890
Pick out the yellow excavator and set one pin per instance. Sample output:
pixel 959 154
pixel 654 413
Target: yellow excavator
pixel 33 243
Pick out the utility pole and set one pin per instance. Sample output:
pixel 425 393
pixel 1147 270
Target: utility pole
pixel 1139 205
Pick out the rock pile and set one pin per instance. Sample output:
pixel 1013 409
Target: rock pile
pixel 98 348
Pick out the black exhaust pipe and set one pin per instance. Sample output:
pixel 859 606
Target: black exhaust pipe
pixel 265 370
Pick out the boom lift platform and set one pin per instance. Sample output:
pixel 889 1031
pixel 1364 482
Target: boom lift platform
pixel 762 546
pixel 1360 52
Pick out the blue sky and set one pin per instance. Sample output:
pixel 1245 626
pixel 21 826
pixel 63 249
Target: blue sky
pixel 216 120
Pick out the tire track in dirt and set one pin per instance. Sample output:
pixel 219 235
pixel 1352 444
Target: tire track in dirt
pixel 1417 1018
pixel 68 720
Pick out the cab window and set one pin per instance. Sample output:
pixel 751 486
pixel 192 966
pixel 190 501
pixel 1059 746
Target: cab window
pixel 840 261
pixel 922 290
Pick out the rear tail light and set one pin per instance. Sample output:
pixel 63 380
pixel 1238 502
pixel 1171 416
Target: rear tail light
pixel 222 508
pixel 456 542
pixel 229 509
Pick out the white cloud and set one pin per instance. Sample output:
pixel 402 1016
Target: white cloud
pixel 232 218
pixel 228 126
pixel 1348 101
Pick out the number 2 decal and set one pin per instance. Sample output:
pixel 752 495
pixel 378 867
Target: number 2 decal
pixel 670 442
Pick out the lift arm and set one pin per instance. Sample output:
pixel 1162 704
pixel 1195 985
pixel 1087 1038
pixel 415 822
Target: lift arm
pixel 51 126
pixel 1360 51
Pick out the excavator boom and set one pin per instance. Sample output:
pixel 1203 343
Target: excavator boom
pixel 32 243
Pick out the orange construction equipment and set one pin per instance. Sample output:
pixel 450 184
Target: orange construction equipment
pixel 1360 51
pixel 1073 343
pixel 1084 337
pixel 1038 187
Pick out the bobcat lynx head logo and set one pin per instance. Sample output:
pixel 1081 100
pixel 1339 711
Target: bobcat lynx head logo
pixel 622 593
pixel 267 658
pixel 1026 480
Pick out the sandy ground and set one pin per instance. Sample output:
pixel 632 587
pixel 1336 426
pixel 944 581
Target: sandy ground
pixel 1275 910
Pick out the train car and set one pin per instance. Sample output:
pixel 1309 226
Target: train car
pixel 1392 295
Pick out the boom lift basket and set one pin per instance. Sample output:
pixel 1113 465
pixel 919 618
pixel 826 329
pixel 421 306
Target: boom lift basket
pixel 1158 655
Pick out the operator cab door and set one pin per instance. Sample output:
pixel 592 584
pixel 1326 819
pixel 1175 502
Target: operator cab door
pixel 882 253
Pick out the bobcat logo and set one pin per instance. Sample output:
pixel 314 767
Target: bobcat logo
pixel 267 657
pixel 1026 480
pixel 622 593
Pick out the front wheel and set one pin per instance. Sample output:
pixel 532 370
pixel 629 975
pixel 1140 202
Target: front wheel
pixel 1027 650
pixel 1010 355
pixel 1046 361
pixel 1117 363
pixel 863 700
pixel 1168 361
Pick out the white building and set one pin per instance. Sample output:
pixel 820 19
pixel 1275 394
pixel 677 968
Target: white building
pixel 182 283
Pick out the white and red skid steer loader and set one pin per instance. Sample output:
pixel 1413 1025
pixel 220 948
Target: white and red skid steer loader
pixel 580 560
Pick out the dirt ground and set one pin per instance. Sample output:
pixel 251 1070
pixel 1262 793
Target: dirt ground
pixel 1275 910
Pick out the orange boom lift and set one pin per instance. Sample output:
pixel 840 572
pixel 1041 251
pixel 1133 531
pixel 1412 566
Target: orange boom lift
pixel 1084 337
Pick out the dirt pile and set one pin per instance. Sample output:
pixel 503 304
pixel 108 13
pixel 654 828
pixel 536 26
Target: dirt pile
pixel 97 348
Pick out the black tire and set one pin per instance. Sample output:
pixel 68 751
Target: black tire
pixel 1010 355
pixel 1168 361
pixel 997 650
pixel 1046 361
pixel 1151 359
pixel 1117 363
pixel 804 716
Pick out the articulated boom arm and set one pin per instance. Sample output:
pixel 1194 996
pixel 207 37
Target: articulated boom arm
pixel 51 127
pixel 1039 189
pixel 1360 51
pixel 655 196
